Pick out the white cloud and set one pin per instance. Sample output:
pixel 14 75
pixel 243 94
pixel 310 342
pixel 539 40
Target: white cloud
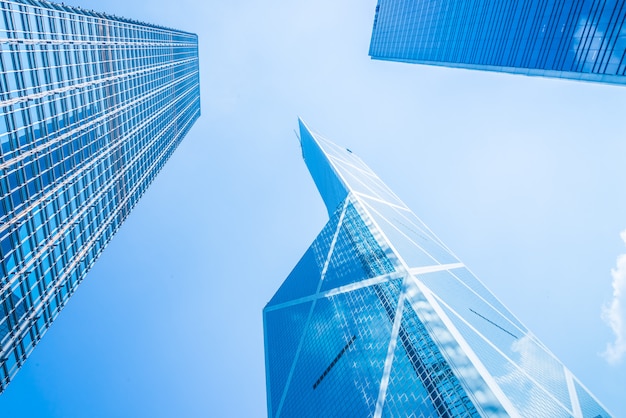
pixel 614 313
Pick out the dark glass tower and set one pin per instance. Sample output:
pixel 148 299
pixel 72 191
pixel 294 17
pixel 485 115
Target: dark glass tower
pixel 91 108
pixel 380 318
pixel 581 40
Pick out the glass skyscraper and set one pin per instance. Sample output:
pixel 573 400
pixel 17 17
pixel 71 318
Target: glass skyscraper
pixel 380 318
pixel 92 106
pixel 574 39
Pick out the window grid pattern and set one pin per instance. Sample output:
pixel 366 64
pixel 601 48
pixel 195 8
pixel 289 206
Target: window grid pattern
pixel 443 387
pixel 345 338
pixel 580 39
pixel 383 337
pixel 91 108
pixel 357 324
pixel 351 387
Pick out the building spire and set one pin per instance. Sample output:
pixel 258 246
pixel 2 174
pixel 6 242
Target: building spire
pixel 329 183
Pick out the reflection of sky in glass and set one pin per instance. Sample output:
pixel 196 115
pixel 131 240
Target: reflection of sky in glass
pixel 437 340
pixel 211 205
pixel 578 40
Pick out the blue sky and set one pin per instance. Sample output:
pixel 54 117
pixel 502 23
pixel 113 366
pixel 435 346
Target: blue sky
pixel 523 178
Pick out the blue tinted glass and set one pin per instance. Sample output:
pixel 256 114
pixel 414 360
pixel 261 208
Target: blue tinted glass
pixel 92 162
pixel 449 349
pixel 577 40
pixel 283 330
pixel 356 255
pixel 347 386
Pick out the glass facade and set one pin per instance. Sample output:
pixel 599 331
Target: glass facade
pixel 575 39
pixel 380 318
pixel 91 108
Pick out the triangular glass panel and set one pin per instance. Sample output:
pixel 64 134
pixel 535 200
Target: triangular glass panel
pixel 414 252
pixel 527 396
pixel 362 183
pixel 330 186
pixel 304 278
pixel 472 282
pixel 483 317
pixel 357 255
pixel 343 352
pixel 406 391
pixel 589 406
pixel 301 282
pixel 283 331
pixel 442 390
pixel 404 219
pixel 513 342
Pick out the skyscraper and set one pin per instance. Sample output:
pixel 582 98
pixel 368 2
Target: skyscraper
pixel 582 40
pixel 92 106
pixel 379 318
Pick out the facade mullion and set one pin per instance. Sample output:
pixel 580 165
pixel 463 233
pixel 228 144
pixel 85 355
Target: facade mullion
pixel 84 103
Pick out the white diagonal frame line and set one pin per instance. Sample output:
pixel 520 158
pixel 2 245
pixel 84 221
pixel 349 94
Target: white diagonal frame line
pixel 401 232
pixel 419 226
pixel 347 164
pixel 573 396
pixel 308 320
pixel 339 153
pixel 424 229
pixel 391 349
pixel 428 234
pixel 506 317
pixel 438 267
pixel 375 184
pixel 465 347
pixel 352 161
pixel 378 199
pixel 366 170
pixel 383 278
pixel 368 186
pixel 514 364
